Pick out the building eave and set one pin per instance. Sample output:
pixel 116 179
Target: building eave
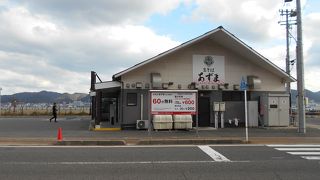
pixel 227 39
pixel 183 45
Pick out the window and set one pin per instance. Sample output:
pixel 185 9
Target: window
pixel 233 96
pixel 131 99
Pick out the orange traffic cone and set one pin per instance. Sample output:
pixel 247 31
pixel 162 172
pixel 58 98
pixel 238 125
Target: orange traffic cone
pixel 59 137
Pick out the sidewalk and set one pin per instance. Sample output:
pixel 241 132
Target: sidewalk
pixel 287 135
pixel 204 136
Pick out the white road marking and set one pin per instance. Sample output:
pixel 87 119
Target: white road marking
pixel 298 149
pixel 122 146
pixel 293 145
pixel 216 156
pixel 113 163
pixel 311 157
pixel 304 153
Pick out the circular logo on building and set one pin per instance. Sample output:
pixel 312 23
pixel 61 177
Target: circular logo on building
pixel 208 60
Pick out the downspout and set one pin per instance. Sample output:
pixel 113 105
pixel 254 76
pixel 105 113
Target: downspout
pixel 122 101
pixel 93 98
pixel 98 107
pixel 141 106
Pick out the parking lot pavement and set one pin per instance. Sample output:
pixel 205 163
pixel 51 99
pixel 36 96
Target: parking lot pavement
pixel 40 127
pixel 38 130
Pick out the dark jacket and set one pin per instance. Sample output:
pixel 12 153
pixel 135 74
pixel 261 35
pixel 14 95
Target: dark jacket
pixel 54 110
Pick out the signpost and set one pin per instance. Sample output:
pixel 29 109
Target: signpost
pixel 243 87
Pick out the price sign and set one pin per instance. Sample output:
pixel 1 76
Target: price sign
pixel 173 102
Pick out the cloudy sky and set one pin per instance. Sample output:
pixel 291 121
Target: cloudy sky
pixel 54 44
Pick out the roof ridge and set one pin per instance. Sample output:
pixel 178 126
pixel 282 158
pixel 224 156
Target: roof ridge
pixel 198 38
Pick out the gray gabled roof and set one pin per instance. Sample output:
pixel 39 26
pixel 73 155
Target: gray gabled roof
pixel 227 40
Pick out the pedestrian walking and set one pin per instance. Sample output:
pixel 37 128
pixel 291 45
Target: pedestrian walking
pixel 54 112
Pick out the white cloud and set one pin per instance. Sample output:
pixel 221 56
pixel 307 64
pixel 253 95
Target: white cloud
pixel 252 20
pixel 312 74
pixel 311 42
pixel 20 72
pixel 54 44
pixel 311 45
pixel 100 12
pixel 276 54
pixel 38 54
pixel 256 22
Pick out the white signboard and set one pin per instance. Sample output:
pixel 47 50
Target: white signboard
pixel 208 69
pixel 173 102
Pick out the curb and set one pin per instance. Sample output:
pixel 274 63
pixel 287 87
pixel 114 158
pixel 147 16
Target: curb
pixel 91 143
pixel 287 140
pixel 27 142
pixel 188 141
pixel 106 129
pixel 148 142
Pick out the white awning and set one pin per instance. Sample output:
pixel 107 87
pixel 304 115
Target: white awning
pixel 107 85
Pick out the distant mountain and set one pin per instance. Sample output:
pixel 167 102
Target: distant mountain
pixel 315 96
pixel 50 97
pixel 65 97
pixel 45 97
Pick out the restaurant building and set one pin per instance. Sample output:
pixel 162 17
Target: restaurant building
pixel 213 65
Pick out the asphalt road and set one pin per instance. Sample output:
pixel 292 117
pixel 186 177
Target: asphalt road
pixel 160 162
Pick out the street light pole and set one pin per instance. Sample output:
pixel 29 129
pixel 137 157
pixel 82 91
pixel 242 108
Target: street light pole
pixel 300 73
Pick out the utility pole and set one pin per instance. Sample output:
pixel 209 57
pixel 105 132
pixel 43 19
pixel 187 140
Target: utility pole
pixel 288 51
pixel 300 72
pixel 288 25
pixel 300 69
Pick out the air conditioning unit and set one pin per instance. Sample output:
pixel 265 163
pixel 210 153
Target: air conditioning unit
pixel 142 124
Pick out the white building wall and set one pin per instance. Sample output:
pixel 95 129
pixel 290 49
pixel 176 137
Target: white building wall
pixel 177 68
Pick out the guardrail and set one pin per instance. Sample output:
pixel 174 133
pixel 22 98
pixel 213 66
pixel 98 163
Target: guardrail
pixel 32 111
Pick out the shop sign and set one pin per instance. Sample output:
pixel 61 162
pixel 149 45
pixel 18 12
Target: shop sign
pixel 173 102
pixel 208 69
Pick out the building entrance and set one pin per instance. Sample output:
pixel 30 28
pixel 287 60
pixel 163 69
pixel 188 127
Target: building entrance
pixel 109 111
pixel 204 112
